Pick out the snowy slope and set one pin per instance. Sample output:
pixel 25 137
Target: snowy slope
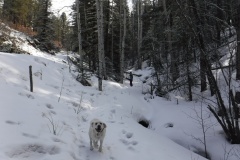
pixel 25 117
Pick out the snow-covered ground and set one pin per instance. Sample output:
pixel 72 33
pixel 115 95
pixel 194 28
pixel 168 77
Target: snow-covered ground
pixel 58 100
pixel 26 117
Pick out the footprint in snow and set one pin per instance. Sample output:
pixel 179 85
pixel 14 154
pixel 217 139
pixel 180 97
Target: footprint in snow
pixel 31 151
pixel 168 125
pixel 49 106
pixel 134 143
pixel 53 112
pixel 113 111
pixel 112 115
pixel 129 135
pixel 29 135
pixel 26 95
pixel 125 141
pixel 12 122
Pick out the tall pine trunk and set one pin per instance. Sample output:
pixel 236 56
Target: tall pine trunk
pixel 120 40
pixel 112 41
pixel 199 24
pixel 139 10
pixel 107 39
pixel 80 52
pixel 173 66
pixel 123 40
pixel 100 42
pixel 104 72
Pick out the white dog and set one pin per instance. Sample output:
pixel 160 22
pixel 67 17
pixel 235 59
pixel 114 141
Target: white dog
pixel 97 131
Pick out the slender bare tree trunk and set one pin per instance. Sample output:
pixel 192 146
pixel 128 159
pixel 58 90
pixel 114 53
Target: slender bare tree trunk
pixel 112 41
pixel 79 36
pixel 104 72
pixel 120 39
pixel 123 40
pixel 237 95
pixel 106 27
pixel 220 15
pixel 139 33
pixel 168 38
pixel 100 43
pixel 203 64
pixel 171 54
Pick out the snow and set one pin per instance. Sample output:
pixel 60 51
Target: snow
pixel 27 118
pixel 27 132
pixel 60 6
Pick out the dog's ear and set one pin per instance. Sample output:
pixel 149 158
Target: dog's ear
pixel 104 124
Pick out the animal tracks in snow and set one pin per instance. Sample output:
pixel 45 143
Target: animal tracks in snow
pixel 49 106
pixel 29 135
pixel 31 151
pixel 26 95
pixel 129 135
pixel 12 122
pixel 169 125
pixel 112 116
pixel 126 140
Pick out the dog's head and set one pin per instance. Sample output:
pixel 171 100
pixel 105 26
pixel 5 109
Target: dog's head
pixel 99 126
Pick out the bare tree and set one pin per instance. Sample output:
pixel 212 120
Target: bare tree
pixel 104 73
pixel 230 125
pixel 79 36
pixel 100 42
pixel 123 41
pixel 237 26
pixel 173 66
pixel 139 12
pixel 202 117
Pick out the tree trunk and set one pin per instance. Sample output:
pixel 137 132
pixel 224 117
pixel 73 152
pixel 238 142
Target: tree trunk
pixel 173 64
pixel 123 40
pixel 188 61
pixel 139 33
pixel 79 37
pixel 237 95
pixel 104 72
pixel 107 44
pixel 100 44
pixel 200 24
pixel 231 129
pixel 219 23
pixel 112 42
pixel 120 40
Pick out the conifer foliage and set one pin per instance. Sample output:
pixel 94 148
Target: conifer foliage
pixel 18 11
pixel 44 25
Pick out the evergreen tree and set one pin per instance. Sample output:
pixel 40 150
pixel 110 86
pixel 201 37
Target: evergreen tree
pixel 63 28
pixel 89 31
pixel 43 26
pixel 18 11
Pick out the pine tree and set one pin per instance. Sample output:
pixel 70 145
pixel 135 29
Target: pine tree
pixel 43 26
pixel 89 31
pixel 18 11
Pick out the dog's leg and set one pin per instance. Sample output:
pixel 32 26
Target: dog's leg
pixel 100 147
pixel 95 144
pixel 91 146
